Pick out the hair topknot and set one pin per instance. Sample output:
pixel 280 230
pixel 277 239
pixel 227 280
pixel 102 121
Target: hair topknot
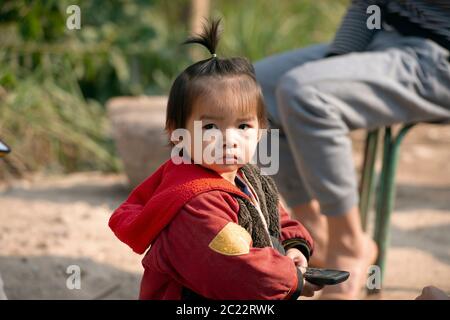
pixel 209 37
pixel 196 82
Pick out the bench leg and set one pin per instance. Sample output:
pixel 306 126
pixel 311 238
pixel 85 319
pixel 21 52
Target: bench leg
pixel 367 184
pixel 386 192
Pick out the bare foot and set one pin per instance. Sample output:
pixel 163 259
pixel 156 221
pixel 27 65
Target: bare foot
pixel 316 223
pixel 355 259
pixel 432 293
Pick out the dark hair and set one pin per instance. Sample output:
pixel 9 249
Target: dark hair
pixel 190 85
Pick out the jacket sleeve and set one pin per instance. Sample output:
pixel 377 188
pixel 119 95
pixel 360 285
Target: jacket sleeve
pixel 196 250
pixel 294 234
pixel 353 35
pixel 127 220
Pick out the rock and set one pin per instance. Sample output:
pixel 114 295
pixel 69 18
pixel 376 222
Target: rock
pixel 137 125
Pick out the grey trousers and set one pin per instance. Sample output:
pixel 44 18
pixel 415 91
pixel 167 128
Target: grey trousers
pixel 315 102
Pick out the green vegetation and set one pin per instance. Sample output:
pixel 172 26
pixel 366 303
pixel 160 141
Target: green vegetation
pixel 54 81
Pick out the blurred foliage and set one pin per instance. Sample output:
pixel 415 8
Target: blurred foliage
pixel 54 81
pixel 258 28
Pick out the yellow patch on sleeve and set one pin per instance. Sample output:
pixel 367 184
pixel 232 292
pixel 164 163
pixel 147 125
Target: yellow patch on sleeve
pixel 232 240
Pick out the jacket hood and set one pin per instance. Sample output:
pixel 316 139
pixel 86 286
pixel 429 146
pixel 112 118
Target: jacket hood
pixel 155 202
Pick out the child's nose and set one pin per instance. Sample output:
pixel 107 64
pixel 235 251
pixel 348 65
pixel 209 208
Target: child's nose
pixel 230 145
pixel 231 139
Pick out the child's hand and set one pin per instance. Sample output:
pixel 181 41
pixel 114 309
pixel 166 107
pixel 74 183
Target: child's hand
pixel 298 257
pixel 308 288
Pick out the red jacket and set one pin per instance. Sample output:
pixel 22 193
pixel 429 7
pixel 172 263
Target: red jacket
pixel 179 210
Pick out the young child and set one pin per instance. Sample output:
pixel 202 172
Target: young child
pixel 215 230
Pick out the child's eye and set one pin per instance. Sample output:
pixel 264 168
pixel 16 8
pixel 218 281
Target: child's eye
pixel 209 126
pixel 244 126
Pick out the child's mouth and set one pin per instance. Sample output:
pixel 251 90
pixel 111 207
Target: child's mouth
pixel 230 159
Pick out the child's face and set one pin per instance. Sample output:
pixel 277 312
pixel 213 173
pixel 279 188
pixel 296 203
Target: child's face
pixel 223 127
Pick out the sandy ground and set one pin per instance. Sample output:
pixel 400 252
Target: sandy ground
pixel 50 223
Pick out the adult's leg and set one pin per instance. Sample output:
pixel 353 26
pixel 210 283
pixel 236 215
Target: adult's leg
pixel 289 182
pixel 403 79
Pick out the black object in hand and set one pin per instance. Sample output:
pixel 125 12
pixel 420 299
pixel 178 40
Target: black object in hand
pixel 322 277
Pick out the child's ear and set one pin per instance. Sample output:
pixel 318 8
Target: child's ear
pixel 260 133
pixel 169 135
pixel 172 143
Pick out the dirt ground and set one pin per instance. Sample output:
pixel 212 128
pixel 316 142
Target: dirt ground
pixel 48 223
